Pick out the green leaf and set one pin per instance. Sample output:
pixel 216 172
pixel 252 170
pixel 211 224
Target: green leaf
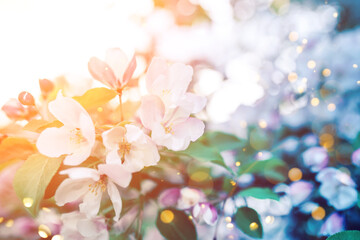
pixel 33 177
pixel 175 225
pixel 202 152
pixel 222 141
pixel 95 97
pixel 248 221
pixel 260 193
pixel 346 235
pixel 261 166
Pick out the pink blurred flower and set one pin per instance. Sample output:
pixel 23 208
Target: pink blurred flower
pixel 315 158
pixel 130 146
pixel 189 197
pixel 77 226
pixel 16 111
pixel 355 157
pixel 76 138
pixel 90 184
pixel 333 224
pixel 169 197
pixel 299 191
pixel 115 71
pixel 205 212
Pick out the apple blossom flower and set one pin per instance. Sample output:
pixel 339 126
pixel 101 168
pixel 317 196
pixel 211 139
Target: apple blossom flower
pixel 115 71
pixel 16 111
pixel 338 188
pixel 173 128
pixel 169 197
pixel 206 212
pixel 131 147
pixel 170 83
pixel 76 138
pixel 89 185
pixel 299 191
pixel 333 224
pixel 315 158
pixel 189 197
pixel 77 226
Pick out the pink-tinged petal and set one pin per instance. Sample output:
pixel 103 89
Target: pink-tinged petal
pixel 67 111
pixel 87 129
pixel 151 110
pixel 169 197
pixel 54 142
pixel 102 72
pixel 115 199
pixel 129 71
pixel 210 215
pixel 158 66
pixel 71 190
pixel 117 173
pixel 76 158
pixel 180 76
pixel 192 127
pixel 112 137
pixel 81 173
pixel 91 202
pixel 192 103
pixel 118 61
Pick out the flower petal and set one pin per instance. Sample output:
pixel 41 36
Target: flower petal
pixel 118 61
pixel 54 142
pixel 192 103
pixel 102 72
pixel 78 157
pixel 157 66
pixel 112 137
pixel 129 71
pixel 81 172
pixel 117 173
pixel 91 202
pixel 67 111
pixel 71 190
pixel 115 199
pixel 87 129
pixel 151 110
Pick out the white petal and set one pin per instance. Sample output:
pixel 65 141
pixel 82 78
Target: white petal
pixel 81 172
pixel 78 157
pixel 117 60
pixel 67 111
pixel 71 190
pixel 115 199
pixel 54 142
pixel 133 133
pixel 91 202
pixel 192 103
pixel 117 173
pixel 151 111
pixel 112 137
pixel 113 157
pixel 87 129
pixel 87 228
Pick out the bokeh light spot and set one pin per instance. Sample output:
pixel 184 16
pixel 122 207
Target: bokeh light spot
pixel 262 123
pixel 237 163
pixel 167 216
pixel 269 219
pixel 311 64
pixel 253 226
pixel 318 213
pixel 292 77
pixel 326 72
pixel 230 226
pixel 331 107
pixel 57 237
pixel 293 36
pixel 44 231
pixel 9 223
pixel 28 202
pixel 228 219
pixel 315 102
pixel 295 174
pixel 326 140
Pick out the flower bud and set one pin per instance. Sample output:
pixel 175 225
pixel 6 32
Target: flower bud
pixel 26 98
pixel 46 86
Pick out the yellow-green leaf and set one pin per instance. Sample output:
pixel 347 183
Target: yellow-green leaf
pixel 33 177
pixel 96 97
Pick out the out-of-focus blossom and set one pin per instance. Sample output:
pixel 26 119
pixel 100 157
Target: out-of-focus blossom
pixel 333 224
pixel 338 188
pixel 173 129
pixel 90 184
pixel 76 138
pixel 51 219
pixel 73 85
pixel 315 158
pixel 189 197
pixel 171 83
pixel 206 212
pixel 130 146
pixel 115 71
pixel 22 227
pixel 355 157
pixel 169 197
pixel 299 191
pixel 78 226
pixel 15 111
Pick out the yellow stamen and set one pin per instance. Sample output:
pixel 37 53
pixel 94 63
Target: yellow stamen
pixel 100 184
pixel 76 136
